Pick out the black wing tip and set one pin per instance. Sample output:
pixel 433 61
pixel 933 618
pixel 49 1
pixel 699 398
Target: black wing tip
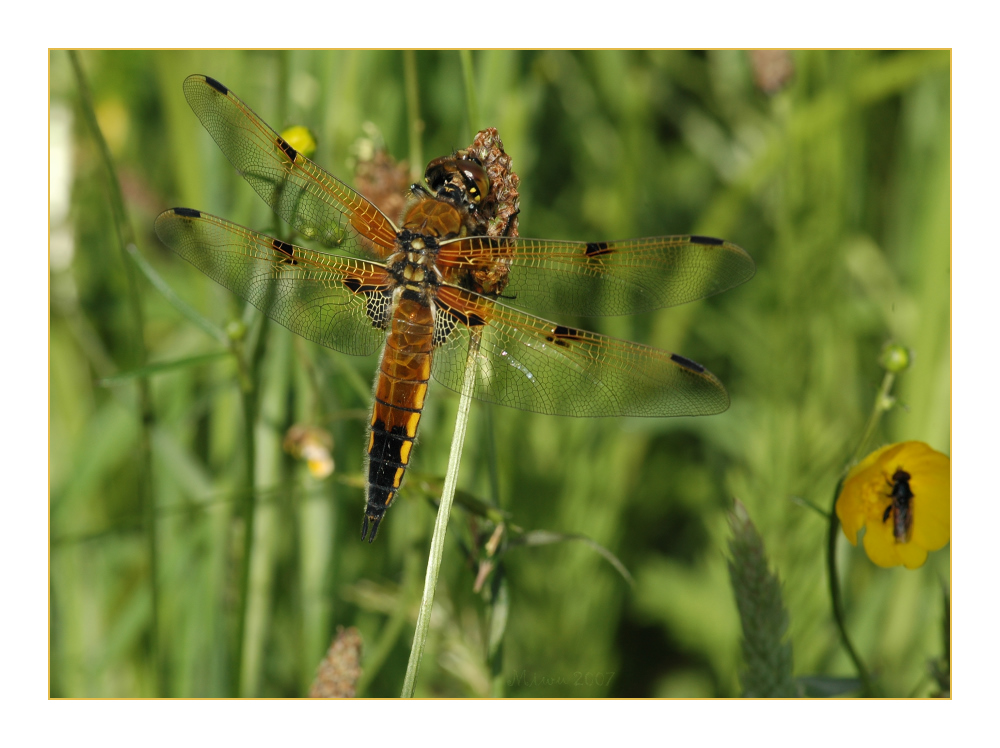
pixel 185 212
pixel 710 240
pixel 720 398
pixel 687 363
pixel 215 84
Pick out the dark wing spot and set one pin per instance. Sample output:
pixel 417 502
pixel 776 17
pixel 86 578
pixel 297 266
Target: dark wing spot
pixel 286 249
pixel 706 240
pixel 686 362
pixel 471 320
pixel 187 212
pixel 216 85
pixel 287 149
pixel 354 285
pixel 595 249
pixel 561 335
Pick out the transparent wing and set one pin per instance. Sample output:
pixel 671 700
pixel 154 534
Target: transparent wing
pixel 339 302
pixel 313 201
pixel 525 362
pixel 600 278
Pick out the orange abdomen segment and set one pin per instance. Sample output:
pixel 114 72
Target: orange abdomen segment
pixel 399 398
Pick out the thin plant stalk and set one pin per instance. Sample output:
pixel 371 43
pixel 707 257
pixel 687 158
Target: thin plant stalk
pixel 248 515
pixel 837 601
pixel 469 78
pixel 249 364
pixel 208 327
pixel 441 523
pixel 126 244
pixel 416 127
pixel 883 403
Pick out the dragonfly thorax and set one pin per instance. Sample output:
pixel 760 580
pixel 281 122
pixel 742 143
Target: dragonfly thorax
pixel 432 217
pixel 413 266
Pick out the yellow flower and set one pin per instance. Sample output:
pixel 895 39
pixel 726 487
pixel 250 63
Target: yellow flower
pixel 901 495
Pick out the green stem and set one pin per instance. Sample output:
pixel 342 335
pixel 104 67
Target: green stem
pixel 126 244
pixel 883 402
pixel 248 515
pixel 441 523
pixel 416 128
pixel 382 649
pixel 249 367
pixel 469 78
pixel 838 604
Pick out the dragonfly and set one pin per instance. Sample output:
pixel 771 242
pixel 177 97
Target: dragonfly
pixel 424 291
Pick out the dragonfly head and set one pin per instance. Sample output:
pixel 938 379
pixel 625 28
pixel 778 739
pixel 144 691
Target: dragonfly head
pixel 460 179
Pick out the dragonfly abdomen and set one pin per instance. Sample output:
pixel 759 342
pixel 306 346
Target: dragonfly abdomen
pixel 400 388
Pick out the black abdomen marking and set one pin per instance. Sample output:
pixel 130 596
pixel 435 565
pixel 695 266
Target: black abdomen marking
pixel 388 456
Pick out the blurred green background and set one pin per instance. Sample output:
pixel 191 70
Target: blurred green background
pixel 832 169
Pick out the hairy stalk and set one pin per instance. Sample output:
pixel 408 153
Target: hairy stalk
pixel 441 523
pixel 126 244
pixel 767 652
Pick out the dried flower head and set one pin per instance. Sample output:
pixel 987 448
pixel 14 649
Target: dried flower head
pixel 338 673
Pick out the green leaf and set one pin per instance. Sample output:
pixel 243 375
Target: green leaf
pixel 159 368
pixel 545 537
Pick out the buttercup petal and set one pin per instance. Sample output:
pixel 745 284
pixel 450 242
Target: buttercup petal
pixel 872 494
